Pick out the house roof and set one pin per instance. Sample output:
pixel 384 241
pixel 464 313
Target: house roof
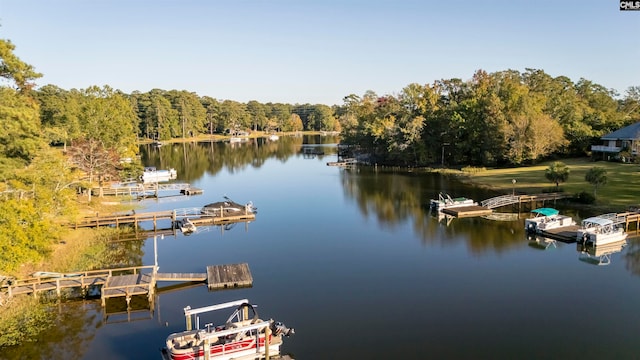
pixel 631 132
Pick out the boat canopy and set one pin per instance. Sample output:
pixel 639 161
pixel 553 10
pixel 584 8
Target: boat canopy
pixel 546 211
pixel 596 221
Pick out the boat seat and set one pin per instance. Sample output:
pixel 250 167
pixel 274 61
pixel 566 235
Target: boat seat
pixel 182 344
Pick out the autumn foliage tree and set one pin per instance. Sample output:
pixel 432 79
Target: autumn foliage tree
pixel 98 162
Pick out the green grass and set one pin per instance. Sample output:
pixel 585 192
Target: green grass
pixel 621 191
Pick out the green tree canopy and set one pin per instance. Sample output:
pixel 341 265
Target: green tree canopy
pixel 557 172
pixel 596 176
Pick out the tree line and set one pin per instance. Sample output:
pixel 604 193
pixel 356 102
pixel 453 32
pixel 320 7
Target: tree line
pixel 493 119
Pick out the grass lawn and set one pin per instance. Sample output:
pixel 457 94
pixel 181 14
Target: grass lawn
pixel 621 190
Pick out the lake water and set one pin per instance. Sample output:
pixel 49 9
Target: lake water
pixel 356 263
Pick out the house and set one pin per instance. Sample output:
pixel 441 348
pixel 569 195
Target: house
pixel 626 139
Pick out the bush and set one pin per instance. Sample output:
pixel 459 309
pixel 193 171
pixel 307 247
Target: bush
pixel 586 198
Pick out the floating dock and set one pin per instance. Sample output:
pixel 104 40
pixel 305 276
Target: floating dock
pixel 229 276
pixel 564 234
pixel 467 211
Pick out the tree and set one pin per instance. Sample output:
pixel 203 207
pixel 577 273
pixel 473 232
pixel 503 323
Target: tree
pixel 596 176
pixel 14 69
pixel 557 172
pixel 21 136
pixel 97 161
pixel 107 117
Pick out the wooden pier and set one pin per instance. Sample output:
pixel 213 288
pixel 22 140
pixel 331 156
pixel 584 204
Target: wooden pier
pixel 193 214
pixel 145 190
pixel 486 206
pixel 128 282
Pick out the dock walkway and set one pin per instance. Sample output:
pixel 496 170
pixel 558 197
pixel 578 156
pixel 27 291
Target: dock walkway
pixel 193 214
pixel 129 281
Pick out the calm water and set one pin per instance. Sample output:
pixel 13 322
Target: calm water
pixel 355 262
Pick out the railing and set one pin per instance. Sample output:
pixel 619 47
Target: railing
pixel 500 201
pixel 603 148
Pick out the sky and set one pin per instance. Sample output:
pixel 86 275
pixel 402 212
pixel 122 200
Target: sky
pixel 316 52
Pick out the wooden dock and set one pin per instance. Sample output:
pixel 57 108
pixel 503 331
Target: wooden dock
pixel 193 214
pixel 565 234
pixel 127 286
pixel 229 276
pixel 121 219
pixel 128 282
pixel 467 211
pixel 221 220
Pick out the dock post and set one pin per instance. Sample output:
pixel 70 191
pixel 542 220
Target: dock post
pixel 188 321
pixel 267 335
pixel 58 287
pixel 207 349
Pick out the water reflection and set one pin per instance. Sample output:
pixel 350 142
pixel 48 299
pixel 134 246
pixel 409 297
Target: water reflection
pixel 194 159
pixel 541 242
pixel 599 255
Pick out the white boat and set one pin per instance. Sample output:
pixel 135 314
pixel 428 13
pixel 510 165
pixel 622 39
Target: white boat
pixel 274 137
pixel 445 201
pixel 228 207
pixel 544 219
pixel 152 175
pixel 239 337
pixel 600 230
pixel 186 226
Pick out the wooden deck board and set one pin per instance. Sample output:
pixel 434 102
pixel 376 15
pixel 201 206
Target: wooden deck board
pixel 215 220
pixel 565 233
pixel 127 285
pixel 233 275
pixel 181 277
pixel 467 211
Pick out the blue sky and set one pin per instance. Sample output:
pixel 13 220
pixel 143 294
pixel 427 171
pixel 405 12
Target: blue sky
pixel 316 52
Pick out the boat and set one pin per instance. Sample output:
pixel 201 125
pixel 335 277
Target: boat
pixel 228 207
pixel 544 219
pixel 239 136
pixel 186 226
pixel 600 230
pixel 445 201
pixel 244 334
pixel 274 137
pixel 151 175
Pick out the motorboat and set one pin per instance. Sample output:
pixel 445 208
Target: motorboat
pixel 152 175
pixel 274 137
pixel 445 201
pixel 600 230
pixel 228 207
pixel 243 335
pixel 544 219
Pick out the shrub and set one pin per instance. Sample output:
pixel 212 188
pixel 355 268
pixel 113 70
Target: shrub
pixel 585 198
